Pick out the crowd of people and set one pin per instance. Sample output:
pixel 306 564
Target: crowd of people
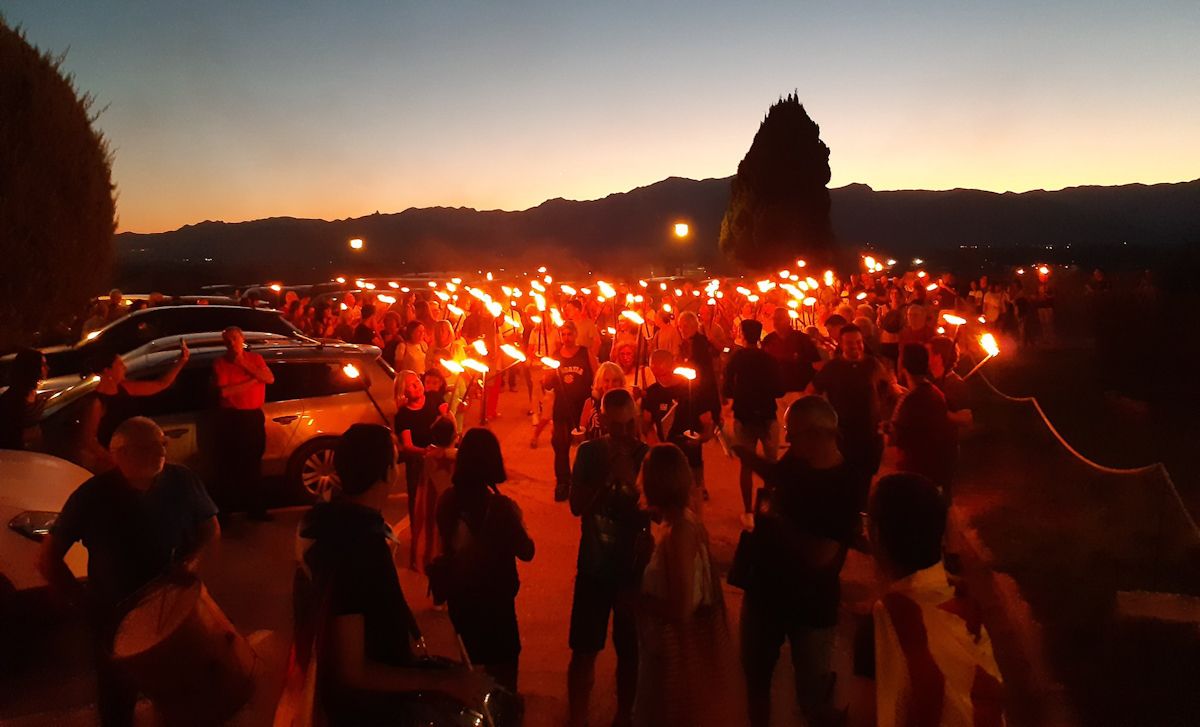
pixel 633 380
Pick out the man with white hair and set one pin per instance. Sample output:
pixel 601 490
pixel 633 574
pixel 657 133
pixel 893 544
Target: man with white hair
pixel 140 521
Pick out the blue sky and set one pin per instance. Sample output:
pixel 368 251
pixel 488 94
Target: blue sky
pixel 243 110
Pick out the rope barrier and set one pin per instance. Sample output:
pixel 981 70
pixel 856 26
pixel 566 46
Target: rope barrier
pixel 1157 467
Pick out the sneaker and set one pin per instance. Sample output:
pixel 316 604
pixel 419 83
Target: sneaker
pixel 747 521
pixel 561 493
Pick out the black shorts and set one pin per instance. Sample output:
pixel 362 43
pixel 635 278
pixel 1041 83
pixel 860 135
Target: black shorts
pixel 593 601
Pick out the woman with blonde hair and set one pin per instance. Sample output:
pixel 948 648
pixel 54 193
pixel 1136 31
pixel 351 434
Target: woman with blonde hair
pixel 684 648
pixel 608 376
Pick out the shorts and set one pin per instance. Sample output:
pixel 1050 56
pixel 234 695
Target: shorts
pixel 749 434
pixel 594 599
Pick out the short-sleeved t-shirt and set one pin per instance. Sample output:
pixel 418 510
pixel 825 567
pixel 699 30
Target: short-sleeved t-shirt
pixel 419 421
pixel 924 435
pixel 811 502
pixel 132 536
pixel 227 373
pixel 346 552
pixel 574 387
pixel 753 381
pixel 658 401
pixel 852 389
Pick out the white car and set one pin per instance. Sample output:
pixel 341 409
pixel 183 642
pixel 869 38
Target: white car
pixel 33 489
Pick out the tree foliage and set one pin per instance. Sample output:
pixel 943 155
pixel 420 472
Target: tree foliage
pixel 779 207
pixel 57 211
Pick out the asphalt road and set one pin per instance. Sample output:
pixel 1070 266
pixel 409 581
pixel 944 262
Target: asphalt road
pixel 250 577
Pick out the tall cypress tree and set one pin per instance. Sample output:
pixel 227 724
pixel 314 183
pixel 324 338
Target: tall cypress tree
pixel 57 212
pixel 779 208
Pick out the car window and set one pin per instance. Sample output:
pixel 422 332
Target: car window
pixel 307 379
pixel 192 391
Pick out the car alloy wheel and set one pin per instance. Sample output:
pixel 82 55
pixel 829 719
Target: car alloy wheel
pixel 318 475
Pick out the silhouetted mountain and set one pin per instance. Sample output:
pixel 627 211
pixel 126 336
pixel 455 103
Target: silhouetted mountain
pixel 634 230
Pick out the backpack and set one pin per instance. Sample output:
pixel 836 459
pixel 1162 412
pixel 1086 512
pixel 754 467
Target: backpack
pixel 614 521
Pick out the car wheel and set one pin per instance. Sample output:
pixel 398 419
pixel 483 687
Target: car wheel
pixel 310 470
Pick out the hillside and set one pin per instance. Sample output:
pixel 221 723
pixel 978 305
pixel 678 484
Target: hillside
pixel 634 229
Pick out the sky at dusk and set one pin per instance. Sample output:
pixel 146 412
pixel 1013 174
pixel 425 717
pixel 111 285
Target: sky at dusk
pixel 240 110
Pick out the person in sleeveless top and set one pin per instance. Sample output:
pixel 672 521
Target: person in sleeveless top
pixel 685 654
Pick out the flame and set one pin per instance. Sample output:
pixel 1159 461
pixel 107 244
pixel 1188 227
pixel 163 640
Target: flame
pixel 801 263
pixel 454 309
pixel 512 352
pixel 988 343
pixel 953 319
pixel 1043 270
pixel 480 347
pixel 340 280
pixel 861 296
pixel 443 295
pixel 276 287
pixel 931 287
pixel 550 363
pixel 667 307
pixel 632 316
pixel 941 330
pixel 393 285
pixel 685 372
pixel 810 301
pixel 606 290
pixel 829 278
pixel 793 303
pixel 475 365
pixel 433 283
pixel 870 261
pixel 920 273
pixel 568 290
pixel 556 318
pixel 452 366
pixel 494 308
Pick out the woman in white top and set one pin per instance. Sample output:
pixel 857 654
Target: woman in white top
pixel 685 657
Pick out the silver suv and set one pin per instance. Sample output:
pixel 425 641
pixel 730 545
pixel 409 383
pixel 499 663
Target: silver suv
pixel 320 389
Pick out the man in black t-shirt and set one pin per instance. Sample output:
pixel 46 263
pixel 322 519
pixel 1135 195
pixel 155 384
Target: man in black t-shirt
pixel 572 385
pixel 604 494
pixel 348 595
pixel 752 380
pixel 691 421
pixel 415 415
pixel 858 386
pixel 364 332
pixel 795 352
pixel 139 522
pixel 799 545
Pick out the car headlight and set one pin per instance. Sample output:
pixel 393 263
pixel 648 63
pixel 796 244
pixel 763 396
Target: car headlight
pixel 33 524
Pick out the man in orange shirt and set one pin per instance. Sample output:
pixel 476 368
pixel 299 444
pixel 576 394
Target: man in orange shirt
pixel 241 377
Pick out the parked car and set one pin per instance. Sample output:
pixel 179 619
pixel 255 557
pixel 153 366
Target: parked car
pixel 125 334
pixel 319 391
pixel 33 488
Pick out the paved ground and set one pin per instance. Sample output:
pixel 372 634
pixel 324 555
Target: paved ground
pixel 251 579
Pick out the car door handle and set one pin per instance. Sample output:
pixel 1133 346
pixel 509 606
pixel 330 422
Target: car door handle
pixel 286 419
pixel 175 433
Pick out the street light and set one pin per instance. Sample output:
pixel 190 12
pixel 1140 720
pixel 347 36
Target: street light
pixel 356 244
pixel 682 229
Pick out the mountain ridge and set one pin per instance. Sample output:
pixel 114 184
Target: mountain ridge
pixel 632 228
